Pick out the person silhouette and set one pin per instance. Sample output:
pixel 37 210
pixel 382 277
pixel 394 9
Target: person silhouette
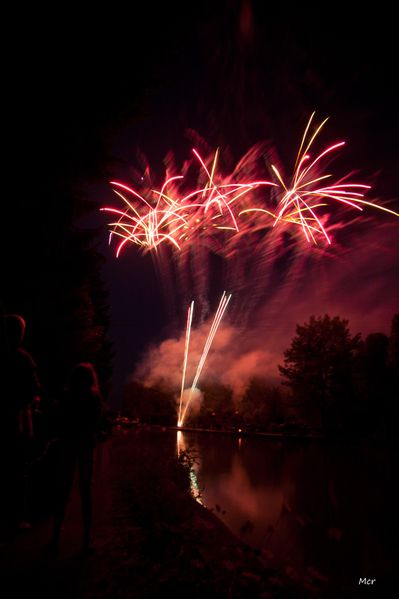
pixel 20 387
pixel 80 416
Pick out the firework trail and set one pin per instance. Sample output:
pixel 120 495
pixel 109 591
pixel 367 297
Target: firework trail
pixel 224 301
pixel 186 346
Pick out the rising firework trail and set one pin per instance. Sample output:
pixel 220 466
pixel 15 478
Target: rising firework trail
pixel 224 301
pixel 186 346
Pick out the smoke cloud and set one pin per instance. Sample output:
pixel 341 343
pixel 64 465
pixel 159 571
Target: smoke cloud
pixel 231 360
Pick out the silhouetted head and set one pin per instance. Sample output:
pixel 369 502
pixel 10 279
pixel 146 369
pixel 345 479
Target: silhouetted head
pixel 14 329
pixel 84 379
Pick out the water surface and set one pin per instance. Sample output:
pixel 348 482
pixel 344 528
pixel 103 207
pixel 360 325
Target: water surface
pixel 309 506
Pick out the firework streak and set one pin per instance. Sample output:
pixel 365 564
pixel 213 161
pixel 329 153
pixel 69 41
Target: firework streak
pixel 186 346
pixel 224 300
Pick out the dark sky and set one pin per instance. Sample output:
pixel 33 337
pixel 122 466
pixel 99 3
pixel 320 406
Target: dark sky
pixel 85 92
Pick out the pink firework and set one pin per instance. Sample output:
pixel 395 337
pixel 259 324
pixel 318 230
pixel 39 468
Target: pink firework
pixel 173 217
pixel 219 197
pixel 144 223
pixel 305 195
pixel 176 217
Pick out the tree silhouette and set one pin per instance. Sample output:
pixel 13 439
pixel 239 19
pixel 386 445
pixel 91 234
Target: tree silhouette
pixel 392 413
pixel 393 346
pixel 261 404
pixel 152 405
pixel 318 368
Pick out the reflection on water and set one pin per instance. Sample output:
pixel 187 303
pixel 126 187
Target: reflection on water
pixel 182 448
pixel 180 443
pixel 305 504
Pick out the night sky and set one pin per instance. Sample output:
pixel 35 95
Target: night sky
pixel 86 94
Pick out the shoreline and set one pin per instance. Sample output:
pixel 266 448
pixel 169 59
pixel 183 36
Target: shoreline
pixel 264 435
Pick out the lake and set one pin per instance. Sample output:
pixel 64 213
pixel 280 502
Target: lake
pixel 326 507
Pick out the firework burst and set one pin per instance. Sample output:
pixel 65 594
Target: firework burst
pixel 147 224
pixel 305 196
pixel 172 216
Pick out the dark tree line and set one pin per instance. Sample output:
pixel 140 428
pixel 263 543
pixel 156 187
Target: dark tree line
pixel 342 383
pixel 260 408
pixel 50 263
pixel 65 96
pixel 151 405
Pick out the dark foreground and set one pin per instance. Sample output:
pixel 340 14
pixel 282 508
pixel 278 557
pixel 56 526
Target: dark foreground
pixel 151 539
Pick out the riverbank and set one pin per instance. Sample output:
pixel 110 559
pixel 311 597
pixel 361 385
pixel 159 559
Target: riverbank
pixel 245 433
pixel 151 538
pixel 242 433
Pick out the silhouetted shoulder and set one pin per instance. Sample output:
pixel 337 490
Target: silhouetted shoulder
pixel 20 382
